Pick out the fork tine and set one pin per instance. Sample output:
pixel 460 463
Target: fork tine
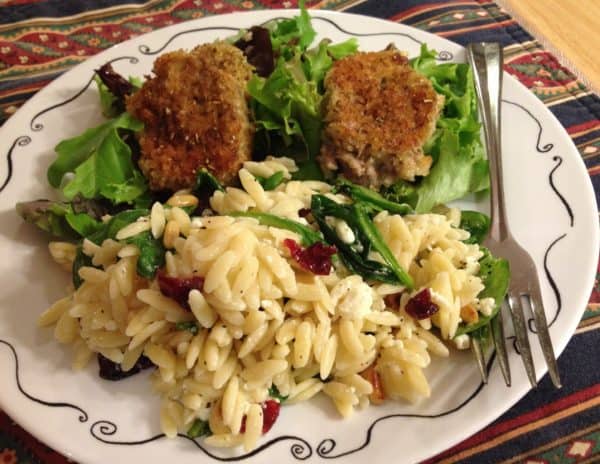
pixel 480 358
pixel 516 310
pixel 497 326
pixel 535 300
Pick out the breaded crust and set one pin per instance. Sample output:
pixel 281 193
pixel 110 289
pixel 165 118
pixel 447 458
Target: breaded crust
pixel 195 115
pixel 378 114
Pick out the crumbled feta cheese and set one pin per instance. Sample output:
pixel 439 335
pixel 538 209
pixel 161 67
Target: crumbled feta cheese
pixel 437 298
pixel 471 264
pixel 486 306
pixel 197 223
pixel 462 342
pixel 344 232
pixel 352 297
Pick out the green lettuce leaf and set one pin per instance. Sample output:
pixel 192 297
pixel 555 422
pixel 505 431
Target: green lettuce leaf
pixel 206 184
pixel 459 163
pixel 199 428
pixel 107 99
pixel 82 223
pixel 152 254
pixel 288 103
pixel 356 255
pixel 290 35
pixel 130 190
pixel 271 182
pixel 495 275
pixel 109 173
pixel 101 163
pixel 369 198
pixel 459 169
pixel 275 394
pixel 74 151
pixel 308 170
pixel 108 102
pixel 340 50
pixel 81 260
pixel 477 224
pixel 116 223
pixel 318 60
pixel 307 235
pixel 68 221
pixel 48 216
pixel 152 251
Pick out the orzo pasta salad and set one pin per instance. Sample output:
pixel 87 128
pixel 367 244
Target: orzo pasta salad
pixel 246 281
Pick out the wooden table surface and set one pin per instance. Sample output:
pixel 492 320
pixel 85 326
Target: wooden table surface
pixel 570 27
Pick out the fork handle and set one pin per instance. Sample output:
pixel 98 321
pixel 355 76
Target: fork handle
pixel 487 60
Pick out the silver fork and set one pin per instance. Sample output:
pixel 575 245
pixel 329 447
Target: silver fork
pixel 524 289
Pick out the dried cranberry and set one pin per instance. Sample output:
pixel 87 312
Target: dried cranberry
pixel 420 306
pixel 303 212
pixel 110 370
pixel 270 409
pixel 393 300
pixel 316 258
pixel 178 288
pixel 270 414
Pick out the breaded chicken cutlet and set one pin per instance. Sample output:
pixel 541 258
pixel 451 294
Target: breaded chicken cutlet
pixel 378 113
pixel 195 115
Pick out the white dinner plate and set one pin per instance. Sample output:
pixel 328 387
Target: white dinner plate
pixel 552 211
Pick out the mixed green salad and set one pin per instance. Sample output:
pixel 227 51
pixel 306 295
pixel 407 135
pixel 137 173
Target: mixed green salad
pixel 97 175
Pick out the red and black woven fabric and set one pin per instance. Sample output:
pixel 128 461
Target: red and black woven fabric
pixel 40 39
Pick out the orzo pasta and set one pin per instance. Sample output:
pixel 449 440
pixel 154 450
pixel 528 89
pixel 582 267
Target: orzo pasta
pixel 233 323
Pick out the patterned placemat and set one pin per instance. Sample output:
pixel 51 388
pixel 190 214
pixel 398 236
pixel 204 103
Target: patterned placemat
pixel 40 39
